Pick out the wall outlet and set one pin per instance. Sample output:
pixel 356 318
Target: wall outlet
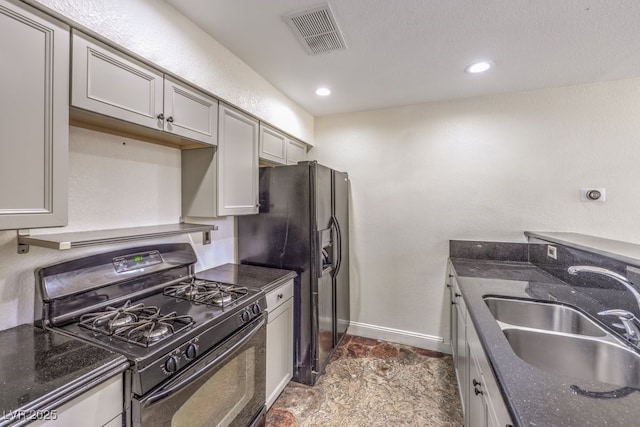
pixel 593 195
pixel 552 252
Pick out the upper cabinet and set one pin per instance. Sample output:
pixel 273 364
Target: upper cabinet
pixel 108 82
pixel 190 113
pixel 35 123
pixel 237 162
pixel 273 145
pixel 296 152
pixel 277 148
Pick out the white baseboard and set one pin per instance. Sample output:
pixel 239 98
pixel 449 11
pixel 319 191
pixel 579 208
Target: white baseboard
pixel 399 336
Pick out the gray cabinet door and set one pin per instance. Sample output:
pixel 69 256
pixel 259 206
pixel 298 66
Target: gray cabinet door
pixel 107 82
pixel 279 340
pixel 476 415
pixel 34 82
pixel 190 113
pixel 273 145
pixel 237 163
pixel 462 357
pixel 296 152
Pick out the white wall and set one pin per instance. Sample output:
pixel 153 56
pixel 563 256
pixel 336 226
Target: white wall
pixel 484 168
pixel 113 182
pixel 155 31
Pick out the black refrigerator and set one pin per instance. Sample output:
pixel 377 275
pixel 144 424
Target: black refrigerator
pixel 303 226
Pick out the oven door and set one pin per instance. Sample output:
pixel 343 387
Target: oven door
pixel 226 387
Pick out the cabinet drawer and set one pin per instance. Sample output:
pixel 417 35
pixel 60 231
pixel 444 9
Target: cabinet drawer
pixel 279 295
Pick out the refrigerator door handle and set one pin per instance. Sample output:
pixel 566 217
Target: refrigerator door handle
pixel 323 256
pixel 338 243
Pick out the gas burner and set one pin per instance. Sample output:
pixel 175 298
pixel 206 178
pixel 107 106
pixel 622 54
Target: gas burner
pixel 111 318
pixel 136 324
pixel 151 329
pixel 206 292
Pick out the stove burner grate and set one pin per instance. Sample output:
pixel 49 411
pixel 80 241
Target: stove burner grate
pixel 135 323
pixel 150 330
pixel 203 291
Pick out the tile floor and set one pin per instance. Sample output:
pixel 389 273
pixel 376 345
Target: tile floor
pixel 374 383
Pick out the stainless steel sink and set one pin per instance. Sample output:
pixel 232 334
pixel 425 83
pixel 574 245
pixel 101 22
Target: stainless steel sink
pixel 564 341
pixel 546 316
pixel 585 358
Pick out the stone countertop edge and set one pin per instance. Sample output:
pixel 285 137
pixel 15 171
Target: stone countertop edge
pixel 534 396
pixel 615 249
pixel 98 365
pixel 70 391
pixel 250 276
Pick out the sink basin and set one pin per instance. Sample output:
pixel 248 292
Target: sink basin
pixel 585 358
pixel 542 315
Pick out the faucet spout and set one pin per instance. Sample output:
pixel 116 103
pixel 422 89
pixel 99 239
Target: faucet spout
pixel 628 321
pixel 575 269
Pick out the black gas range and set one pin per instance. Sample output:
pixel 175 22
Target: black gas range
pixel 176 329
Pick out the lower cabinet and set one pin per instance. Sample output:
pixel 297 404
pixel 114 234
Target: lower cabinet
pixel 482 403
pixel 279 340
pixel 99 407
pixel 485 406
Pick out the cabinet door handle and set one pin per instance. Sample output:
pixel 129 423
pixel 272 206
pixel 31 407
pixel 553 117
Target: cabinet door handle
pixel 477 392
pixel 160 116
pixel 457 295
pixel 476 383
pixel 280 296
pixel 170 119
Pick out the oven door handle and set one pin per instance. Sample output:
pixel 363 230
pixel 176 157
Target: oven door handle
pixel 164 392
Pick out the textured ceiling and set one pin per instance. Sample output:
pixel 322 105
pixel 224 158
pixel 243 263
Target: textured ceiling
pixel 404 52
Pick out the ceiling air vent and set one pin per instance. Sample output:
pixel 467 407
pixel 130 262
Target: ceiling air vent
pixel 317 30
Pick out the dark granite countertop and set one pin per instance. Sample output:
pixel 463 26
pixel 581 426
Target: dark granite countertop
pixel 250 276
pixel 536 397
pixel 41 370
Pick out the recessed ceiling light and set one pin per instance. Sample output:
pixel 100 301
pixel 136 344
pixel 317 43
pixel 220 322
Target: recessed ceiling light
pixel 323 91
pixel 479 67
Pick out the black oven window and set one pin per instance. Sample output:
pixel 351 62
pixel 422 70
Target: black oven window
pixel 223 397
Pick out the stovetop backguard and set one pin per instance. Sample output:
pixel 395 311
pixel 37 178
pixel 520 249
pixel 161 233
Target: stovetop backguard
pixel 67 290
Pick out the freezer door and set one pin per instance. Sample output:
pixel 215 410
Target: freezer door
pixel 340 205
pixel 322 196
pixel 280 236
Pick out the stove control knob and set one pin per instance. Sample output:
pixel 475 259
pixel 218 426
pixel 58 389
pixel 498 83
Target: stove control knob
pixel 255 308
pixel 191 351
pixel 245 316
pixel 171 364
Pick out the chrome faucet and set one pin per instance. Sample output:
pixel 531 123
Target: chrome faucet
pixel 575 269
pixel 629 321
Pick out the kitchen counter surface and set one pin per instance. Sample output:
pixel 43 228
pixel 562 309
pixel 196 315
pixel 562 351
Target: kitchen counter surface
pixel 41 370
pixel 250 276
pixel 536 397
